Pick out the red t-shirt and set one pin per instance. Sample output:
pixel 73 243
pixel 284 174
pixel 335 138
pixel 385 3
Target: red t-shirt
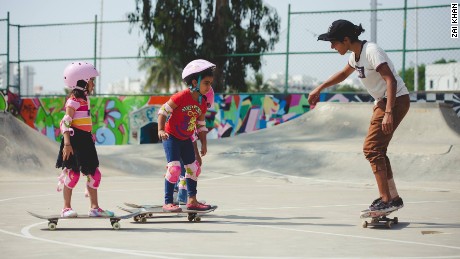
pixel 183 119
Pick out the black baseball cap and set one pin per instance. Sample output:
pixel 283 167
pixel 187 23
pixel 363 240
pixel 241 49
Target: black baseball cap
pixel 338 31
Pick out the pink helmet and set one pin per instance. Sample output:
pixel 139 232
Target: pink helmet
pixel 196 66
pixel 210 98
pixel 78 70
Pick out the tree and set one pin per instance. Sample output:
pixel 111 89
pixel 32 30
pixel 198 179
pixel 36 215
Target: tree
pixel 258 85
pixel 444 61
pixel 215 30
pixel 161 72
pixel 409 80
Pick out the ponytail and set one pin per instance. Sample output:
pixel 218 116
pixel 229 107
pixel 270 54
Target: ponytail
pixel 356 31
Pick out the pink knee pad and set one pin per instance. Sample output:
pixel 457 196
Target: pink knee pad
pixel 71 178
pixel 94 180
pixel 173 172
pixel 193 170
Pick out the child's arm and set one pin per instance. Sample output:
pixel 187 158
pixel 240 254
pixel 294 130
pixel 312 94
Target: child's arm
pixel 202 131
pixel 67 150
pixel 163 114
pixel 197 153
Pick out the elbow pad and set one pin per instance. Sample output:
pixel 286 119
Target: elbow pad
pixel 201 126
pixel 165 110
pixel 65 125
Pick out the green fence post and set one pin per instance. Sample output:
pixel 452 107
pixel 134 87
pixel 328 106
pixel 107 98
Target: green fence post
pixel 286 78
pixel 403 75
pixel 19 60
pixel 7 52
pixel 95 46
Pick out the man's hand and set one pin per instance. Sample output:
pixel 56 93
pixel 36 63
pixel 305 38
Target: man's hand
pixel 313 97
pixel 387 123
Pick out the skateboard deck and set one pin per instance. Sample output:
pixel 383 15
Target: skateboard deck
pixel 378 218
pixel 156 211
pixel 53 219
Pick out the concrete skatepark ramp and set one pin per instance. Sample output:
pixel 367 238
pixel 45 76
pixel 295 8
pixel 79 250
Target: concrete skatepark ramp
pixel 23 150
pixel 324 141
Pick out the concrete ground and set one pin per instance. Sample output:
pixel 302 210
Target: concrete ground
pixel 292 191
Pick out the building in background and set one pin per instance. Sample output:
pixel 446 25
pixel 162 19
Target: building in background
pixel 125 86
pixel 27 80
pixel 442 77
pixel 21 80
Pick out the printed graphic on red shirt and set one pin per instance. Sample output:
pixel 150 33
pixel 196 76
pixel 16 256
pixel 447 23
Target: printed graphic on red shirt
pixel 183 120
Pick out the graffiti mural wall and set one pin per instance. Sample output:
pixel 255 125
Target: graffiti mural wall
pixel 117 120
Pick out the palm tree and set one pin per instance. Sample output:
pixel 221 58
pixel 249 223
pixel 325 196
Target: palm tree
pixel 161 73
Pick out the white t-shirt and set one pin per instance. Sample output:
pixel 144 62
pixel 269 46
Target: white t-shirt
pixel 371 57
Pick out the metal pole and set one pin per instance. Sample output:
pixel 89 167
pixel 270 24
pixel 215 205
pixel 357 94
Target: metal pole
pixel 374 21
pixel 100 45
pixel 287 51
pixel 7 52
pixel 404 41
pixel 416 48
pixel 19 60
pixel 95 45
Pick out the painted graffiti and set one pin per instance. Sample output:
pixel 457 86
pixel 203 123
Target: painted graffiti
pixel 117 120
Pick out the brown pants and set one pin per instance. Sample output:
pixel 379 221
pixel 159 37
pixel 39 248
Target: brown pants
pixel 376 142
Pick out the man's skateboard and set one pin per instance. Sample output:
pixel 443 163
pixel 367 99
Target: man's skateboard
pixel 53 219
pixel 153 211
pixel 378 218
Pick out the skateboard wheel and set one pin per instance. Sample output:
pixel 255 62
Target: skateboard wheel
pixel 395 220
pixel 143 220
pixel 52 226
pixel 191 217
pixel 136 218
pixel 364 224
pixel 116 225
pixel 197 219
pixel 388 224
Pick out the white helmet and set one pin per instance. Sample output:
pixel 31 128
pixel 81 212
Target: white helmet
pixel 196 66
pixel 76 71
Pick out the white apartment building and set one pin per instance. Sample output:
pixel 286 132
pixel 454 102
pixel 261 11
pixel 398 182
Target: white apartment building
pixel 442 77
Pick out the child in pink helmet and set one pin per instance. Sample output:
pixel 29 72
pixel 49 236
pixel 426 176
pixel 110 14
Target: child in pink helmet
pixel 181 185
pixel 77 153
pixel 186 111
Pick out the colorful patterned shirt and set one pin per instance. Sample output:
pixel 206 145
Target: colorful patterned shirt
pixel 82 116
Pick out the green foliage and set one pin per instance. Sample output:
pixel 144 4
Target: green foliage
pixel 444 61
pixel 259 86
pixel 409 80
pixel 183 30
pixel 346 88
pixel 161 72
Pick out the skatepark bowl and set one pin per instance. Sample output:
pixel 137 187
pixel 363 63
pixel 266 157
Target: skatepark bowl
pixel 291 191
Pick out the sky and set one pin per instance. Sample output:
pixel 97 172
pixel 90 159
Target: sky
pixel 77 41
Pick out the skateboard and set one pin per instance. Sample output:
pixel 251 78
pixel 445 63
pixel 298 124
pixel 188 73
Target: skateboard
pixel 153 211
pixel 378 218
pixel 53 219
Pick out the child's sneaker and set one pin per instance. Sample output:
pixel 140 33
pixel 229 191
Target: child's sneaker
pixel 171 208
pixel 198 206
pixel 100 213
pixel 68 213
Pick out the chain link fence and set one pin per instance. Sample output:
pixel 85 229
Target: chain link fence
pixel 40 52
